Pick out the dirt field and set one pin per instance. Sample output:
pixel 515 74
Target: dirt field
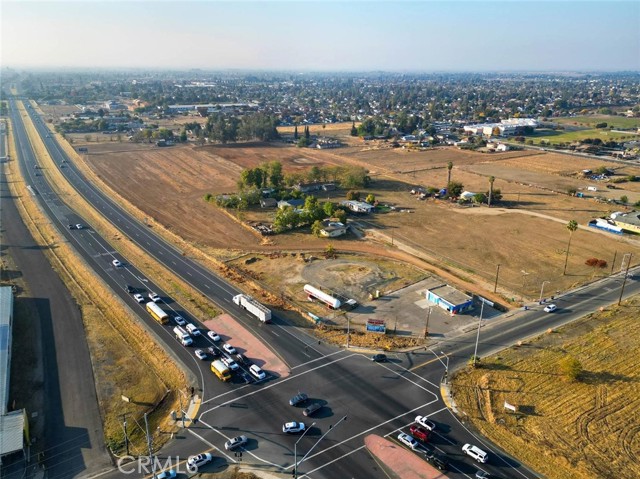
pixel 565 429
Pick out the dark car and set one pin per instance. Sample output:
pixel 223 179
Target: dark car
pixel 215 352
pixel 437 461
pixel 242 359
pixel 131 289
pixel 312 408
pixel 246 377
pixel 379 358
pixel 298 399
pixel 71 227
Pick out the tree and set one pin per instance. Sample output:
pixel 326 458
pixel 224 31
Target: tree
pixel 595 263
pixel 371 199
pixel 340 215
pixel 329 208
pixel 454 189
pixel 570 368
pixel 316 227
pixel 624 199
pixel 571 226
pixel 353 195
pixel 307 133
pixel 491 180
pixel 449 168
pixel 479 198
pixel 295 133
pixel 330 252
pixel 354 130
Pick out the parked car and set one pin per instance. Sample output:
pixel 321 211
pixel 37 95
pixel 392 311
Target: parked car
pixel 168 474
pixel 426 423
pixel 293 427
pixel 408 441
pixel 257 372
pixel 180 321
pixel 419 433
pixel 200 460
pixel 201 354
pixel 550 308
pixel 235 443
pixel 116 263
pixel 154 297
pixel 138 297
pixel 229 349
pixel 298 399
pixel 214 336
pixel 312 408
pixel 379 358
pixel 230 363
pixel 476 453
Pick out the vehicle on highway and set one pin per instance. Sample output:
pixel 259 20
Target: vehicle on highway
pixel 312 408
pixel 438 461
pixel 235 443
pixel 476 453
pixel 480 474
pixel 215 352
pixel 116 263
pixel 257 372
pixel 79 226
pixel 254 307
pixel 230 363
pixel 298 399
pixel 131 289
pixel 200 460
pixel 242 359
pixel 193 329
pixel 71 227
pixel 419 433
pixel 180 321
pixel 293 427
pixel 182 335
pixel 201 354
pixel 220 370
pixel 229 349
pixel 214 336
pixel 157 313
pixel 426 423
pixel 550 308
pixel 138 297
pixel 379 358
pixel 408 441
pixel 168 474
pixel 154 297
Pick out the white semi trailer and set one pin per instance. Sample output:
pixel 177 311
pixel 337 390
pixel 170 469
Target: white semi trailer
pixel 254 307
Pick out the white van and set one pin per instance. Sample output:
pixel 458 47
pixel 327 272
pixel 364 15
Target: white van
pixel 182 336
pixel 192 329
pixel 476 453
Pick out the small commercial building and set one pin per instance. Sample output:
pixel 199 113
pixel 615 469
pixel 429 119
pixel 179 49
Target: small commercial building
pixel 629 222
pixel 450 299
pixel 333 229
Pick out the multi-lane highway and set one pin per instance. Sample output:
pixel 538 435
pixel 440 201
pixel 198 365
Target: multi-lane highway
pixel 375 398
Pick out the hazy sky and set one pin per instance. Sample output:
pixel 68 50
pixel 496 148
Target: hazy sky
pixel 329 35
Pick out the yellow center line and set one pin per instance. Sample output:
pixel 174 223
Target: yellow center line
pixel 418 366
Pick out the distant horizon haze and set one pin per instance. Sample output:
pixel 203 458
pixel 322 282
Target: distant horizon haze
pixel 323 37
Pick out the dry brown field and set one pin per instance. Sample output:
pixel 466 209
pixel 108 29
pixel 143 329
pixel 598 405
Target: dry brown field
pixel 528 239
pixel 564 429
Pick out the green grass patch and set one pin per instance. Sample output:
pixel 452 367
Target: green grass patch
pixel 591 121
pixel 560 136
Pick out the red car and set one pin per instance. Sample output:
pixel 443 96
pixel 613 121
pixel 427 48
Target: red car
pixel 419 433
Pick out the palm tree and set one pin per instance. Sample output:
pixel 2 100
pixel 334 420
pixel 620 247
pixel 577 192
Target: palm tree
pixel 491 180
pixel 449 168
pixel 571 226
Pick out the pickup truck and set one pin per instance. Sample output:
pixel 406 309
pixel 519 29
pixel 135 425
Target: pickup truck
pixel 419 433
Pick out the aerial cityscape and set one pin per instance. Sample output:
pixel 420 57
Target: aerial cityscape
pixel 322 240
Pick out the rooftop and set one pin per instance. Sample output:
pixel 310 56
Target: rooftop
pixel 450 294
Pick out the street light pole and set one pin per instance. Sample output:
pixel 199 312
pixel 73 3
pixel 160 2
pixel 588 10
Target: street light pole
pixel 541 290
pixel 426 326
pixel 446 368
pixel 126 437
pixel 624 281
pixel 495 285
pixel 331 427
pixel 475 353
pixel 348 329
pixel 295 452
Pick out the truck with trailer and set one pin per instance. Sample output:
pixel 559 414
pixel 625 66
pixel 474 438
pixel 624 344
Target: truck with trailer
pixel 254 307
pixel 219 369
pixel 315 293
pixel 157 313
pixel 182 336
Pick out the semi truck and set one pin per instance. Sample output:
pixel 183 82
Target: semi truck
pixel 219 369
pixel 157 312
pixel 254 307
pixel 315 293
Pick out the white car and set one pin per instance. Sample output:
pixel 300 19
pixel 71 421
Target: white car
pixel 180 321
pixel 168 474
pixel 230 363
pixel 408 441
pixel 201 354
pixel 193 330
pixel 229 349
pixel 79 226
pixel 154 297
pixel 257 372
pixel 116 263
pixel 293 427
pixel 235 443
pixel 214 336
pixel 476 453
pixel 425 423
pixel 138 297
pixel 550 308
pixel 194 462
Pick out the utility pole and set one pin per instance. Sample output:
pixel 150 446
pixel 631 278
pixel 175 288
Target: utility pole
pixel 613 263
pixel 124 428
pixel 624 281
pixel 426 326
pixel 181 409
pixel 541 290
pixel 348 329
pixel 153 462
pixel 475 353
pixel 495 285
